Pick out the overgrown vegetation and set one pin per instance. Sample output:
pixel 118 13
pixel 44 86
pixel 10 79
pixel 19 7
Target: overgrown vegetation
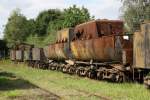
pixel 13 87
pixel 17 29
pixel 43 29
pixel 74 87
pixel 134 12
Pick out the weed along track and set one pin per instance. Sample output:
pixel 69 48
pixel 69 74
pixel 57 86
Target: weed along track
pixel 34 92
pixel 47 84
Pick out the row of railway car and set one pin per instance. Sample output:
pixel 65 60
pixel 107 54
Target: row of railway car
pixel 96 49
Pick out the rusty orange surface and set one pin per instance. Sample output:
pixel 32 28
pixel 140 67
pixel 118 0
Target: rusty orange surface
pixel 99 49
pixel 95 28
pixel 99 40
pixel 104 48
pixel 63 35
pixel 51 50
pixel 128 49
pixel 59 50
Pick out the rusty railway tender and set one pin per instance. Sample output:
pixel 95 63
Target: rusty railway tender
pixel 97 49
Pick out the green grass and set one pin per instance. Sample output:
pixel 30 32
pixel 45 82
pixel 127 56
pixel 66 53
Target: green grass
pixel 73 87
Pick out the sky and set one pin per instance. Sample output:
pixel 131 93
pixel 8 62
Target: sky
pixel 101 9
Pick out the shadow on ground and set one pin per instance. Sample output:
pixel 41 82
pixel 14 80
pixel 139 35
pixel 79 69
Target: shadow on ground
pixel 10 82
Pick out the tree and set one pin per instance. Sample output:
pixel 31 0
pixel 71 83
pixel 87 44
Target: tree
pixel 44 18
pixel 74 16
pixel 135 11
pixel 70 17
pixel 16 29
pixel 31 26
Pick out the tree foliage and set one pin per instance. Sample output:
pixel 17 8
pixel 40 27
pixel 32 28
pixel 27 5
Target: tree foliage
pixel 16 29
pixel 31 26
pixel 135 11
pixel 44 18
pixel 74 15
pixel 54 19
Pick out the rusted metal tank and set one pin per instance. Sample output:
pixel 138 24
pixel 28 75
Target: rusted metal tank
pixel 60 49
pixel 12 55
pixel 104 48
pixel 93 29
pixel 142 47
pixel 51 52
pixel 86 30
pixel 100 40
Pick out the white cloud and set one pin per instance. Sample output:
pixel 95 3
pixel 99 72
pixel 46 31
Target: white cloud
pixel 30 8
pixel 38 5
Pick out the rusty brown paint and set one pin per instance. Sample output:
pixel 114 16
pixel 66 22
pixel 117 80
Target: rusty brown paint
pixel 93 29
pixel 104 48
pixel 127 56
pixel 101 49
pixel 88 29
pixel 51 51
pixel 128 51
pixel 59 49
pixel 64 35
